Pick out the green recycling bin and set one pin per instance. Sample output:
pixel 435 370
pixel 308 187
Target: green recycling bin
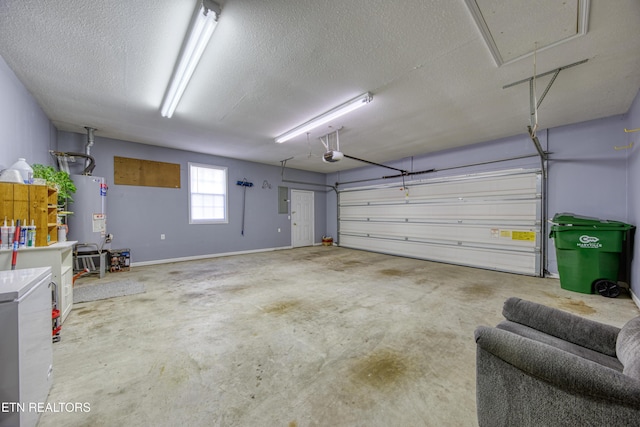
pixel 588 252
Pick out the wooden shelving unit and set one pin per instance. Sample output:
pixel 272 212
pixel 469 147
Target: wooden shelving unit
pixel 52 215
pixel 35 204
pixel 39 203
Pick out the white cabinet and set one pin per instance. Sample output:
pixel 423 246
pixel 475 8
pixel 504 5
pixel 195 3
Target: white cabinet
pixel 26 351
pixel 59 257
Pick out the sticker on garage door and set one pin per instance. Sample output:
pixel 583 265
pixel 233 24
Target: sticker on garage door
pixel 529 236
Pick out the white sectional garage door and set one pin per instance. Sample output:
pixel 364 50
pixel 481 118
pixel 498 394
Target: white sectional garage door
pixel 489 220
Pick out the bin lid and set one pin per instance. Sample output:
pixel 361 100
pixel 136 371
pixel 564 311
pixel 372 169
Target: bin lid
pixel 570 219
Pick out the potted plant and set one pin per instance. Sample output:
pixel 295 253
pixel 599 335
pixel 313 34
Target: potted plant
pixel 58 179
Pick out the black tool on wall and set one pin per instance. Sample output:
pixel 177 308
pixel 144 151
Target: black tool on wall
pixel 244 183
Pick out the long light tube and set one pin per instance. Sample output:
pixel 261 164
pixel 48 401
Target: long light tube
pixel 332 114
pixel 201 30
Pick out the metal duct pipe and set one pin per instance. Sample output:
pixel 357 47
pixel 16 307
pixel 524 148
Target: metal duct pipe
pixel 90 141
pixel 87 149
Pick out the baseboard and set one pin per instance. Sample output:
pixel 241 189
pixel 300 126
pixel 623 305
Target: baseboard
pixel 198 257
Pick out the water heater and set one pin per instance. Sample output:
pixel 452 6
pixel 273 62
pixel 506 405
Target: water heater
pixel 88 223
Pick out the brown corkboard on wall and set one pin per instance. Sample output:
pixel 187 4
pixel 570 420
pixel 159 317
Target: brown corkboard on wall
pixel 146 173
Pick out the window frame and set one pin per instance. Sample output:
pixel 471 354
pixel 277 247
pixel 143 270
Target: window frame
pixel 224 220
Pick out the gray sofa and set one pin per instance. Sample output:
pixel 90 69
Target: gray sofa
pixel 546 367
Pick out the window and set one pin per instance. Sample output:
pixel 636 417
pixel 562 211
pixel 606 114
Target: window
pixel 207 194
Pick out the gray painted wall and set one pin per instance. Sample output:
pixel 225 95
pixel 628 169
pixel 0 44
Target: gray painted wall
pixel 25 131
pixel 587 175
pixel 137 216
pixel 633 178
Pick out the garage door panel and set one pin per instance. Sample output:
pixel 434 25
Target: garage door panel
pixel 489 220
pixel 511 261
pixel 501 187
pixel 521 210
pixel 488 235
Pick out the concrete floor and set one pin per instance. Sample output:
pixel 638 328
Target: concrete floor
pixel 319 336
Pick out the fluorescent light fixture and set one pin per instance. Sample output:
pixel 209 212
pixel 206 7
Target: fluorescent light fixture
pixel 340 110
pixel 200 31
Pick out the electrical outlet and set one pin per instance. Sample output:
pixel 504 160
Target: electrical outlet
pixel 278 230
pixel 162 237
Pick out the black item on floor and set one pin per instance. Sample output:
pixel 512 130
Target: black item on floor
pixel 119 260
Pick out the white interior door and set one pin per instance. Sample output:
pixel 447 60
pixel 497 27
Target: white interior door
pixel 302 218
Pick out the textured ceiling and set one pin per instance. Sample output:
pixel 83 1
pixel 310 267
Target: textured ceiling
pixel 272 65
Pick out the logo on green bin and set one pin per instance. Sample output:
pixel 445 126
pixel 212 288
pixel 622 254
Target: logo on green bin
pixel 589 242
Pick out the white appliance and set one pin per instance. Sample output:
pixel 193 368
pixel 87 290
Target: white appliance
pixel 26 349
pixel 88 223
